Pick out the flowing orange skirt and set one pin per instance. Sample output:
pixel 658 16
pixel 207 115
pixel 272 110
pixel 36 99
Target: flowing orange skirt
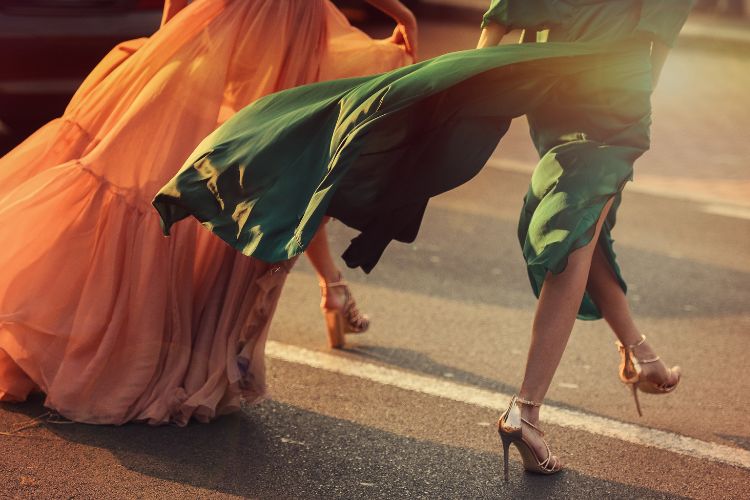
pixel 112 321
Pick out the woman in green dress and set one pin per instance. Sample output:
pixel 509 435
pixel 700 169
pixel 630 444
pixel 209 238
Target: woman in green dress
pixel 372 151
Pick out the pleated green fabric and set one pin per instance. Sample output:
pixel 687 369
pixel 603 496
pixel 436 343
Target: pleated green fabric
pixel 371 151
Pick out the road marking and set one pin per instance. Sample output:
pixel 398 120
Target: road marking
pixel 510 165
pixel 728 211
pixel 710 204
pixel 571 419
pixel 724 33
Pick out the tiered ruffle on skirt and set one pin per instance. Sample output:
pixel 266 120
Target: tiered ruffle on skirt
pixel 98 310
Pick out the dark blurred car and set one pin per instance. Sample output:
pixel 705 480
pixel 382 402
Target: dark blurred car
pixel 49 46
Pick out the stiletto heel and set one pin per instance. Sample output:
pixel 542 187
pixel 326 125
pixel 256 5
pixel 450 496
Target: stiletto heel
pixel 634 389
pixel 631 373
pixel 510 428
pixel 343 320
pixel 506 452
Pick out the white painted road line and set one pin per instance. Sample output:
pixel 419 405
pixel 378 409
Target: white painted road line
pixel 710 204
pixel 571 419
pixel 728 211
pixel 510 165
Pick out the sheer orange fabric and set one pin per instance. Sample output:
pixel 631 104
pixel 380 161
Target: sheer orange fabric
pixel 112 321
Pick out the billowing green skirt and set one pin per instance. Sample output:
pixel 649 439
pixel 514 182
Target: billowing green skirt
pixel 371 151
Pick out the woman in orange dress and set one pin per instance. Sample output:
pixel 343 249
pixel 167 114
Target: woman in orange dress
pixel 112 321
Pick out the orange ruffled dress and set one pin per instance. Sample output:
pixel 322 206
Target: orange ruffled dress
pixel 99 311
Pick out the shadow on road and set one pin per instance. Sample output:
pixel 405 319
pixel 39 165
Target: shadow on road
pixel 280 451
pixel 741 441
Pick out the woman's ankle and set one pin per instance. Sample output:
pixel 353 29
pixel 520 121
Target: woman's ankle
pixel 630 337
pixel 333 297
pixel 529 412
pixel 652 365
pixel 644 351
pixel 331 276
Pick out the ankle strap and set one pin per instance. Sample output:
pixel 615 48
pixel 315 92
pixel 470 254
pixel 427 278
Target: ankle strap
pixel 526 402
pixel 632 346
pixel 628 351
pixel 639 343
pixel 333 284
pixel 652 360
pixel 339 282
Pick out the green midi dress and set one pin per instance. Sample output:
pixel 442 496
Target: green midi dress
pixel 371 151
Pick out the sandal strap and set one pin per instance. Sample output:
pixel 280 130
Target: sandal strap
pixel 544 464
pixel 349 309
pixel 340 281
pixel 333 284
pixel 352 313
pixel 652 360
pixel 639 343
pixel 540 431
pixel 628 349
pixel 526 402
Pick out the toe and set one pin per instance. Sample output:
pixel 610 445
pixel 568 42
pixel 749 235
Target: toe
pixel 676 375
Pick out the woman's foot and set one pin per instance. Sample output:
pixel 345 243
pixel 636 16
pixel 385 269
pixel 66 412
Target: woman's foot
pixel 656 371
pixel 340 310
pixel 333 297
pixel 534 437
pixel 518 426
pixel 642 370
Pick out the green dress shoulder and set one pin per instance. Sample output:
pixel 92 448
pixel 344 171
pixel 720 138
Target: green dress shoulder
pixel 593 20
pixel 371 151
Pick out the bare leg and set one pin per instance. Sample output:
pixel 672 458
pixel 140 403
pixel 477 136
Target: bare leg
pixel 339 307
pixel 319 254
pixel 555 315
pixel 613 304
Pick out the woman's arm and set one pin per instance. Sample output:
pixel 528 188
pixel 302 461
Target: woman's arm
pixel 659 53
pixel 492 34
pixel 406 23
pixel 172 7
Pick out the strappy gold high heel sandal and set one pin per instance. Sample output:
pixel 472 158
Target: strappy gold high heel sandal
pixel 345 320
pixel 631 373
pixel 510 428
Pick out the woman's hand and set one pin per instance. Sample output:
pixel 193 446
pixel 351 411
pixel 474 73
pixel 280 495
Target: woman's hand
pixel 172 7
pixel 492 34
pixel 405 32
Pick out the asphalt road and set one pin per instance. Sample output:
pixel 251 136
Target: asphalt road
pixel 456 306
